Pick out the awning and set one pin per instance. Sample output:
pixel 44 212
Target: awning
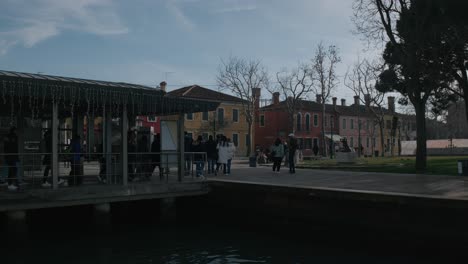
pixel 336 138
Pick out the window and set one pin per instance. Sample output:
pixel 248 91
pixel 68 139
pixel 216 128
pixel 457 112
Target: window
pixel 315 120
pixel 332 122
pixel 299 121
pixel 367 125
pixel 344 123
pixel 308 143
pixel 326 121
pixel 351 142
pixel 351 125
pixel 152 119
pixel 374 141
pixel 235 139
pixel 205 116
pixel 307 122
pixel 220 116
pixel 389 124
pixel 235 115
pixel 247 140
pixel 189 116
pixel 262 120
pixel 367 142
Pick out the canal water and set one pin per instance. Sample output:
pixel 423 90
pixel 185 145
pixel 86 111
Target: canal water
pixel 134 235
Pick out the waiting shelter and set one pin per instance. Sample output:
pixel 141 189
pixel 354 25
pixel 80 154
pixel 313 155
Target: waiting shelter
pixel 97 113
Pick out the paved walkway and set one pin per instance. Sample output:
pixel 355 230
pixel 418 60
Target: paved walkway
pixel 427 186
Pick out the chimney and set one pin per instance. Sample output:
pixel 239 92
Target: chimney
pixel 162 86
pixel 391 104
pixel 256 96
pixel 343 102
pixel 356 100
pixel 367 99
pixel 334 102
pixel 318 98
pixel 276 96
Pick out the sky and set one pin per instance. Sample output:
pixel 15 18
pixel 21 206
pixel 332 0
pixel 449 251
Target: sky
pixel 179 41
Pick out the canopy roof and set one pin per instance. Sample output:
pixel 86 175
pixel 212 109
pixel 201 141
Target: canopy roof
pixel 39 90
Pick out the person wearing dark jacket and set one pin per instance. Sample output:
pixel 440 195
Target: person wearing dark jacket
pixel 188 148
pixel 10 144
pixel 212 154
pixel 277 153
pixel 198 147
pixel 46 161
pixel 156 154
pixel 292 153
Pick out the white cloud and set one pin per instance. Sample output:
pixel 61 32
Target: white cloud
pixel 34 21
pixel 179 15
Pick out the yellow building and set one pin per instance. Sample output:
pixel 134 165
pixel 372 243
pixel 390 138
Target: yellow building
pixel 228 119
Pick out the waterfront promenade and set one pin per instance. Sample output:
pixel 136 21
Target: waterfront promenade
pixel 365 185
pixel 429 190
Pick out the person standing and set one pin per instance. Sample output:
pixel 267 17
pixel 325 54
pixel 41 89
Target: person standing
pixel 156 155
pixel 75 172
pixel 223 154
pixel 198 147
pixel 131 152
pixel 47 157
pixel 10 144
pixel 187 149
pixel 212 154
pixel 277 153
pixel 231 152
pixel 292 153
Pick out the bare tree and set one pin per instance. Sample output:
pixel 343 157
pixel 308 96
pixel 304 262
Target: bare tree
pixel 242 77
pixel 294 86
pixel 324 64
pixel 361 79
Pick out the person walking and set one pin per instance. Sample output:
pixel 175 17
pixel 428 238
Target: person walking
pixel 212 154
pixel 10 144
pixel 292 153
pixel 277 153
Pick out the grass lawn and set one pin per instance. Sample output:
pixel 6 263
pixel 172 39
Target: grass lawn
pixel 441 165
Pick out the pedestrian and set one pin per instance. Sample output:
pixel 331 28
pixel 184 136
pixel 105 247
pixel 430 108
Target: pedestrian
pixel 286 154
pixel 277 153
pixel 231 152
pixel 46 160
pixel 198 148
pixel 144 166
pixel 187 149
pixel 10 145
pixel 76 154
pixel 292 153
pixel 223 154
pixel 212 154
pixel 156 155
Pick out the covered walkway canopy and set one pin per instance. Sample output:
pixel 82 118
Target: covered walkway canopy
pixel 33 94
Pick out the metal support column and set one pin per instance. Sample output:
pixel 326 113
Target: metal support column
pixel 180 136
pixel 55 162
pixel 108 144
pixel 124 148
pixel 20 133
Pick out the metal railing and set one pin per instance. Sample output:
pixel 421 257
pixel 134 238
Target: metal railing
pixel 34 170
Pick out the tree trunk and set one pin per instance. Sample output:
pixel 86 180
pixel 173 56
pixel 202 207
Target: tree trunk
pixel 382 139
pixel 324 146
pixel 420 109
pixel 251 143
